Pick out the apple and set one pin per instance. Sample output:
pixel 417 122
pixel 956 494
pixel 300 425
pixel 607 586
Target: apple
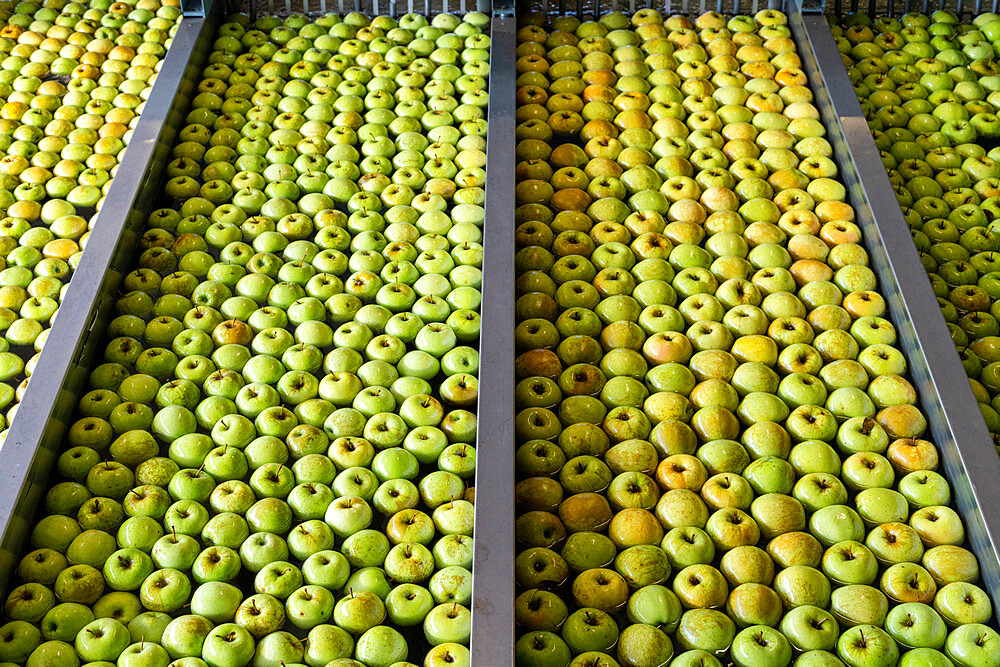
pixel 102 639
pixel 228 644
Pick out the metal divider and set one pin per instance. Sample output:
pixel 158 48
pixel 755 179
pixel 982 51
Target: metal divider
pixel 37 432
pixel 493 571
pixel 967 451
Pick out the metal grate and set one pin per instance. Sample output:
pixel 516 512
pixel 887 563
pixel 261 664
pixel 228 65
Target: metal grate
pixel 689 7
pixel 596 8
pixel 369 7
pixel 963 8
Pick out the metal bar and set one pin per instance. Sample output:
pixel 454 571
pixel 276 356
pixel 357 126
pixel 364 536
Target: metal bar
pixel 493 572
pixel 36 436
pixel 967 452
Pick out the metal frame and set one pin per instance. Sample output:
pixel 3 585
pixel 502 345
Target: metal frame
pixel 493 572
pixel 37 433
pixel 967 452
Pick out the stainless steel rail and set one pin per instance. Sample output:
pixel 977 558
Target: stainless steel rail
pixel 493 571
pixel 967 450
pixel 37 432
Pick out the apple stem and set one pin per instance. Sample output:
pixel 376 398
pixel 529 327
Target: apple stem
pixel 352 592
